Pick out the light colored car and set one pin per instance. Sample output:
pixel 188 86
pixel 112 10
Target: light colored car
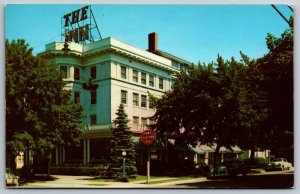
pixel 280 163
pixel 11 178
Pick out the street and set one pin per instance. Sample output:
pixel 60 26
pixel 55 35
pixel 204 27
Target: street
pixel 267 180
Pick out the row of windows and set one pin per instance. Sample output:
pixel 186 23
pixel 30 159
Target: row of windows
pixel 64 72
pixel 135 121
pixel 135 99
pixel 93 97
pixel 135 78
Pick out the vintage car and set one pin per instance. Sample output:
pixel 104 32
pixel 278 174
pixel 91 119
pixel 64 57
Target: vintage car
pixel 11 178
pixel 279 164
pixel 230 169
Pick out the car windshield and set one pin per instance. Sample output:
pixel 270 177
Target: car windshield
pixel 277 160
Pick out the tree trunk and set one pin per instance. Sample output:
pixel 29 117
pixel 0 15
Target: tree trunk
pixel 251 159
pixel 217 157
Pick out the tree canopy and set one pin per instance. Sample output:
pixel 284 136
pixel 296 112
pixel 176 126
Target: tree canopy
pixel 39 113
pixel 248 103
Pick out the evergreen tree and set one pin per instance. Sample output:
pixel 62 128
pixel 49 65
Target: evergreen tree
pixel 121 141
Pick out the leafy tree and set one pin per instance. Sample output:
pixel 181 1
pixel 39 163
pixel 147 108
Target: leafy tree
pixel 277 69
pixel 121 141
pixel 203 106
pixel 254 133
pixel 39 114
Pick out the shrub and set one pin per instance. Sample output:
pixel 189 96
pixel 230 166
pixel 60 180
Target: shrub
pixel 122 179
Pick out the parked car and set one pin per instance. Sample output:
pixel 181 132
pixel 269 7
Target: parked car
pixel 231 169
pixel 279 164
pixel 11 178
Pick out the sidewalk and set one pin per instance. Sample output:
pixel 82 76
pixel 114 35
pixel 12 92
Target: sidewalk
pixel 62 181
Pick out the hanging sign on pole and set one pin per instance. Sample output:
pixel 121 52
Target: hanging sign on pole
pixel 147 138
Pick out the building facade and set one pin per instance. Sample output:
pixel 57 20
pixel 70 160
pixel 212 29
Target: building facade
pixel 118 73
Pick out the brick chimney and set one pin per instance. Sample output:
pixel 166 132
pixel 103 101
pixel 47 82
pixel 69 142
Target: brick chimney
pixel 152 42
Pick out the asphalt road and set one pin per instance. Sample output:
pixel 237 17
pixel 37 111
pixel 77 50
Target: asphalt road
pixel 268 180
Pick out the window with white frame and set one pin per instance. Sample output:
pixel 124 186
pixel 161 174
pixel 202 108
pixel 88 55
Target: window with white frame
pixel 135 123
pixel 144 101
pixel 151 106
pixel 144 123
pixel 123 72
pixel 123 97
pixel 64 71
pixel 151 80
pixel 135 75
pixel 135 99
pixel 161 83
pixel 143 78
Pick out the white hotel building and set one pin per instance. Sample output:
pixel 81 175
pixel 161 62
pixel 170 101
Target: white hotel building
pixel 124 74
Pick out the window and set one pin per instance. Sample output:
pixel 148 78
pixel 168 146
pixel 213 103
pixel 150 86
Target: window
pixel 123 97
pixel 76 73
pixel 135 75
pixel 135 99
pixel 151 105
pixel 93 72
pixel 135 123
pixel 123 72
pixel 77 97
pixel 151 80
pixel 143 78
pixel 144 123
pixel 144 101
pixel 63 70
pixel 93 97
pixel 93 119
pixel 161 83
pixel 151 121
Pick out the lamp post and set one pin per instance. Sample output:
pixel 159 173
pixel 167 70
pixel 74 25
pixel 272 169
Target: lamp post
pixel 124 154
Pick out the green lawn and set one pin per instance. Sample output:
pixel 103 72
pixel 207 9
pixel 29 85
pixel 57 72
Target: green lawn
pixel 98 184
pixel 153 179
pixel 173 179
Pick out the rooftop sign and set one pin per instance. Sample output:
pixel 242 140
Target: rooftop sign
pixel 77 26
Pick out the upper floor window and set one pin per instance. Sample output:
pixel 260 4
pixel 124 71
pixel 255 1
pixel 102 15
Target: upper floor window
pixel 93 97
pixel 93 72
pixel 135 99
pixel 135 75
pixel 144 101
pixel 76 73
pixel 151 106
pixel 77 97
pixel 64 71
pixel 135 122
pixel 143 78
pixel 93 119
pixel 123 97
pixel 161 83
pixel 151 80
pixel 123 72
pixel 144 123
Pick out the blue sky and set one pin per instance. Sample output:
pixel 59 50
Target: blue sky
pixel 192 32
